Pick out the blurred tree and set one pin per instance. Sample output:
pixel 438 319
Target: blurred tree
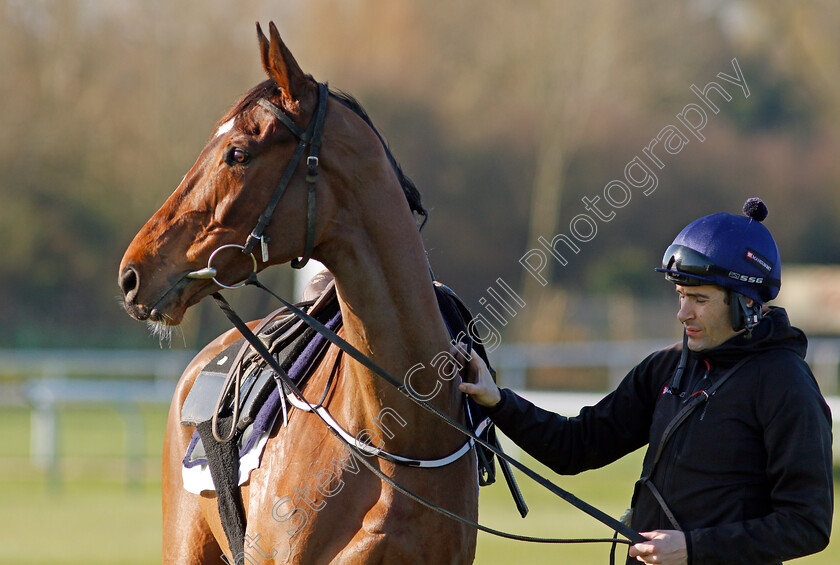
pixel 548 71
pixel 505 113
pixel 104 109
pixel 797 40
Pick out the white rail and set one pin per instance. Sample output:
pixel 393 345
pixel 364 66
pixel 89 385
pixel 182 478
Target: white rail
pixel 513 361
pixel 47 379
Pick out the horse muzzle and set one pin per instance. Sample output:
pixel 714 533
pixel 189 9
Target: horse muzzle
pixel 164 310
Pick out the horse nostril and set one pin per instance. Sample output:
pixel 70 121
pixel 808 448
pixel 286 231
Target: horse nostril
pixel 129 282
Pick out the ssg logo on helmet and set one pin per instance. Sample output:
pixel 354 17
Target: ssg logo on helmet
pixel 745 278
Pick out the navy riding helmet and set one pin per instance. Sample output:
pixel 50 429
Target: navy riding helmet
pixel 735 252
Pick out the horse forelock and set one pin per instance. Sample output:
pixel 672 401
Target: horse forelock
pixel 266 89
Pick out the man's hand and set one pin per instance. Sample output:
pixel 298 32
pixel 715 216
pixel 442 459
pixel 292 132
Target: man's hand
pixel 665 546
pixel 478 383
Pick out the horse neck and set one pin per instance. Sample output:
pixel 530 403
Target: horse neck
pixel 390 314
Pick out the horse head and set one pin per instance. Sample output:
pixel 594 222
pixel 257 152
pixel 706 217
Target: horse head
pixel 253 189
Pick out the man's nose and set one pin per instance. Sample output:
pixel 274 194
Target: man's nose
pixel 685 313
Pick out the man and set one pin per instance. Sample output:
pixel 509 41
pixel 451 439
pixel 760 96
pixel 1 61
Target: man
pixel 738 467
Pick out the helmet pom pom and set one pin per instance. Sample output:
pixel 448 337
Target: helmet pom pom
pixel 755 209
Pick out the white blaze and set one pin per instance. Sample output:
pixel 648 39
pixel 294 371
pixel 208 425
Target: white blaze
pixel 225 127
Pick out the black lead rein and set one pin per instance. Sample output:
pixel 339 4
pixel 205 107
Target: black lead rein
pixel 632 536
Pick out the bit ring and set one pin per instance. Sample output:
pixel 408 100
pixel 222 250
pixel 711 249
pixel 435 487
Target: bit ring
pixel 210 268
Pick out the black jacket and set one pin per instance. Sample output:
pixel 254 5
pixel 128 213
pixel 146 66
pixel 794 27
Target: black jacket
pixel 748 475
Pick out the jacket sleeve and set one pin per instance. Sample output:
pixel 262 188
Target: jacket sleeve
pixel 600 434
pixel 797 434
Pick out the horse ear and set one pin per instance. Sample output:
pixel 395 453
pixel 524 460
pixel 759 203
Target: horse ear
pixel 280 65
pixel 263 49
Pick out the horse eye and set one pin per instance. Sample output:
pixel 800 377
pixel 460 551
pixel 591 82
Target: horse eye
pixel 237 156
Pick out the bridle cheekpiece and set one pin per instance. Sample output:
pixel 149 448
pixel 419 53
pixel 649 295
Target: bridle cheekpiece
pixel 310 137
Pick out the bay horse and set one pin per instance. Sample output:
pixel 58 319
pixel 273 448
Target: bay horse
pixel 364 231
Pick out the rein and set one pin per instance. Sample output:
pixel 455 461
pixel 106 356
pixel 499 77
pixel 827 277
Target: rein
pixel 633 536
pixel 311 137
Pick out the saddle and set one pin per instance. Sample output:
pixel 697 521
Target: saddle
pixel 296 347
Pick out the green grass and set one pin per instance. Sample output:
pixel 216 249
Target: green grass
pixel 88 522
pixel 92 514
pixel 95 517
pixel 609 489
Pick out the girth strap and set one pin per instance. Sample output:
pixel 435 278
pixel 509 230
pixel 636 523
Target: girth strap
pixel 223 460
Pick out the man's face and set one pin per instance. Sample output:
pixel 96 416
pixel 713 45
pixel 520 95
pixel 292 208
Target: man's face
pixel 705 316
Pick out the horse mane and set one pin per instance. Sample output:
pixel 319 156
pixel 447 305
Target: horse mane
pixel 268 89
pixel 412 194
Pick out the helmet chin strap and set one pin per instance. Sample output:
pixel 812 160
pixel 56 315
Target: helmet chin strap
pixel 675 383
pixel 744 317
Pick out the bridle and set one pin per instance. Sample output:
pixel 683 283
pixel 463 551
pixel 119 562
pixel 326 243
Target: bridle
pixel 312 137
